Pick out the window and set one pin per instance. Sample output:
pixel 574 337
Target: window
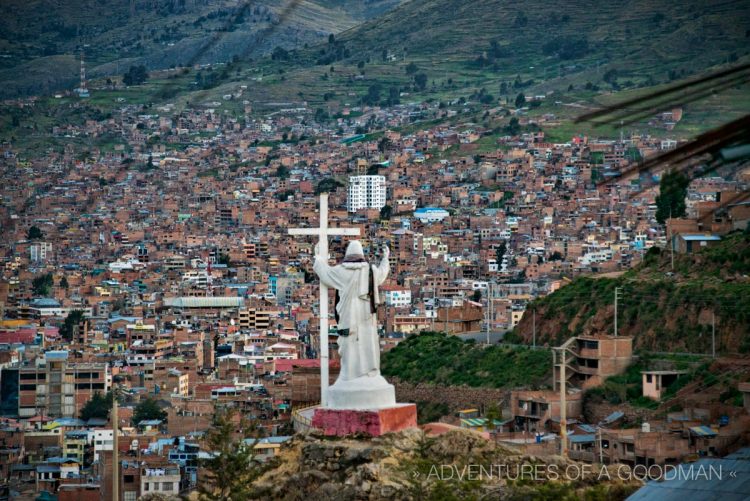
pixel 166 486
pixel 129 496
pixel 648 378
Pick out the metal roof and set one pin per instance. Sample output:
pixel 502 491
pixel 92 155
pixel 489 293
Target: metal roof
pixel 725 479
pixel 582 439
pixel 699 238
pixel 204 302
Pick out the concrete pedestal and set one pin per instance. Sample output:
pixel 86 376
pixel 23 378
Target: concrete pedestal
pixel 372 422
pixel 362 393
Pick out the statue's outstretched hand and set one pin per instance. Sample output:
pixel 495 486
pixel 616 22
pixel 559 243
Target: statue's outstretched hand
pixel 386 252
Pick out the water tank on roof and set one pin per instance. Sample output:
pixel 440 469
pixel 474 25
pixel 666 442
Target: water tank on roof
pixel 646 428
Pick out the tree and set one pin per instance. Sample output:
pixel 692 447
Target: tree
pixel 327 185
pixel 670 202
pixel 500 252
pixel 386 212
pixel 373 94
pixel 136 75
pixel 476 296
pixel 74 319
pixel 520 100
pixel 420 80
pixel 158 496
pixel 97 407
pixel 64 282
pixel 41 285
pixel 34 233
pixel 384 144
pixel 513 126
pixel 493 414
pixel 411 68
pixel 224 259
pixel 321 115
pixel 231 468
pixel 148 409
pixel 282 172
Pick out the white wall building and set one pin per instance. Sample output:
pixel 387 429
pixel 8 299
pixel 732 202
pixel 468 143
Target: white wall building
pixel 40 252
pixel 398 298
pixel 160 480
pixel 366 192
pixel 103 440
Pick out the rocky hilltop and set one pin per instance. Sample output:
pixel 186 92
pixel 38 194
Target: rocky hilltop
pixel 458 464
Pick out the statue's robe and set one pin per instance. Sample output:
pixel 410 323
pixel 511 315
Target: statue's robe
pixel 360 350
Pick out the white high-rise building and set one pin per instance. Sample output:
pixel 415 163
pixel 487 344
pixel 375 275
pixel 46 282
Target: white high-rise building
pixel 366 192
pixel 40 252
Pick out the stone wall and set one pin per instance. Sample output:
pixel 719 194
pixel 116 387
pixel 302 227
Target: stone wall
pixel 456 397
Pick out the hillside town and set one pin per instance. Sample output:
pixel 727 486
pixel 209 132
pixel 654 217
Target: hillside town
pixel 161 269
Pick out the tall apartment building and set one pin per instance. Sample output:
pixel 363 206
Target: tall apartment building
pixel 255 319
pixel 54 387
pixel 40 252
pixel 366 192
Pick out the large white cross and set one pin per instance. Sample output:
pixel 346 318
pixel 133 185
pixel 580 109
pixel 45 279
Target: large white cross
pixel 323 232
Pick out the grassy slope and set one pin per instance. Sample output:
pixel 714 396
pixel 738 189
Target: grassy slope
pixel 443 37
pixel 441 359
pixel 157 34
pixel 662 313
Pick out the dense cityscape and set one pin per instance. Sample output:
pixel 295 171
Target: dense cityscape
pixel 541 292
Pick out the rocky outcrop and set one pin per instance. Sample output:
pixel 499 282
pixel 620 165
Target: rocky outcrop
pixel 410 465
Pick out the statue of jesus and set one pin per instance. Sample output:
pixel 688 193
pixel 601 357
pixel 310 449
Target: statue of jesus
pixel 359 384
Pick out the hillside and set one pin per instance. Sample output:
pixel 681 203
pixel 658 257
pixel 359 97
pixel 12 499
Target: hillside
pixel 539 46
pixel 662 312
pixel 438 358
pixel 632 34
pixel 36 35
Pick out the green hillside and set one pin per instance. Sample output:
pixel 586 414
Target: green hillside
pixel 437 358
pixel 663 312
pixel 469 56
pixel 35 35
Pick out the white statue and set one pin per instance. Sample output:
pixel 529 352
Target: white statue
pixel 359 385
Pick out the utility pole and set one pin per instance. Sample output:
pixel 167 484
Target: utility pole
pixel 563 407
pixel 115 458
pixel 671 241
pixel 434 305
pixel 488 316
pixel 617 297
pixel 713 335
pixel 601 452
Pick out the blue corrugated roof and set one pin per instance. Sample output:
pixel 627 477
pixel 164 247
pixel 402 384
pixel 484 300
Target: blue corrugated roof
pixel 582 439
pixel 614 416
pixel 725 479
pixel 697 238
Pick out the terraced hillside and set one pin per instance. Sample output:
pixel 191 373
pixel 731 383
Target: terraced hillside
pixel 663 312
pixel 40 40
pixel 634 34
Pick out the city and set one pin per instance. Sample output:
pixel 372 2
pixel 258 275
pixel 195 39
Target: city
pixel 542 290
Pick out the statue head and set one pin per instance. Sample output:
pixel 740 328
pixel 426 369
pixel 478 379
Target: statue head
pixel 354 252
